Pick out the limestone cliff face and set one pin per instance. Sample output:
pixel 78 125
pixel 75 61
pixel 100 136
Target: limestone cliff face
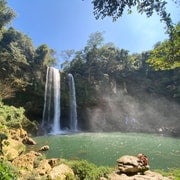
pixel 130 106
pixel 136 103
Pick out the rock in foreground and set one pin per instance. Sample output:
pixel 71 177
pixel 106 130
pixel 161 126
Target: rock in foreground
pixel 132 164
pixel 135 168
pixel 148 175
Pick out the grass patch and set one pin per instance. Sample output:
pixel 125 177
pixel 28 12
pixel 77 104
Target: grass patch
pixel 171 172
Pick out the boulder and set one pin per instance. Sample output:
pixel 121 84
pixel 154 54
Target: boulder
pixel 14 135
pixel 12 148
pixel 148 175
pixel 61 172
pixel 28 141
pixel 44 148
pixel 155 175
pixel 18 134
pixel 26 161
pixel 53 162
pixel 22 133
pixel 43 167
pixel 131 165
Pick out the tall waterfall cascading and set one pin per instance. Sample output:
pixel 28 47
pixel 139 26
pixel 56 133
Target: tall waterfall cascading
pixel 56 82
pixel 73 106
pixel 51 111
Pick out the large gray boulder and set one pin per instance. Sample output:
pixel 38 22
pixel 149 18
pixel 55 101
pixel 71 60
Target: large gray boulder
pixel 132 164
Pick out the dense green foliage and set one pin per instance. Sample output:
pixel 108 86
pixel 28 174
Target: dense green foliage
pixel 103 71
pixel 84 170
pixel 21 62
pixel 166 55
pixel 98 65
pixel 115 9
pixel 98 69
pixel 13 117
pixel 22 66
pixel 7 171
pixel 6 14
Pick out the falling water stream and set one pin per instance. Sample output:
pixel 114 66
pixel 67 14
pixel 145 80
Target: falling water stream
pixel 51 122
pixel 73 109
pixel 56 120
pixel 52 101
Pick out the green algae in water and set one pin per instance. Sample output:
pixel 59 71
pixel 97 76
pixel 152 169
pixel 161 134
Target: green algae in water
pixel 106 148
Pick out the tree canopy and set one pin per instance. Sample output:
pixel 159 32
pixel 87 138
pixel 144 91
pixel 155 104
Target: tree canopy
pixel 166 55
pixel 170 48
pixel 6 13
pixel 96 68
pixel 115 9
pixel 20 61
pixel 97 65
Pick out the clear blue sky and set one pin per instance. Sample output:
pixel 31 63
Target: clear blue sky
pixel 67 24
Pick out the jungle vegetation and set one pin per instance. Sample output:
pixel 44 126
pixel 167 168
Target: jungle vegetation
pixel 23 66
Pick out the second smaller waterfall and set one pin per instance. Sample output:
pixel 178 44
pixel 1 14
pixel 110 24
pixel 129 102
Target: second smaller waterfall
pixel 73 106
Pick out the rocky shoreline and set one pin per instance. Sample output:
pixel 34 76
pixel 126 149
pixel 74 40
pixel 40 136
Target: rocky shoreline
pixel 34 165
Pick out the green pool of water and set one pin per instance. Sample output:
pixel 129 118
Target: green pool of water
pixel 106 148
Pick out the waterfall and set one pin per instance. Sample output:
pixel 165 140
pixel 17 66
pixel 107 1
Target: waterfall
pixel 45 98
pixel 56 82
pixel 51 111
pixel 73 108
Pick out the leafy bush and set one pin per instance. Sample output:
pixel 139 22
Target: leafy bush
pixel 13 117
pixel 69 176
pixel 104 171
pixel 85 170
pixel 7 171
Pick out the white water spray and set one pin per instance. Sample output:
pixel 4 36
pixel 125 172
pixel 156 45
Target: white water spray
pixel 73 106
